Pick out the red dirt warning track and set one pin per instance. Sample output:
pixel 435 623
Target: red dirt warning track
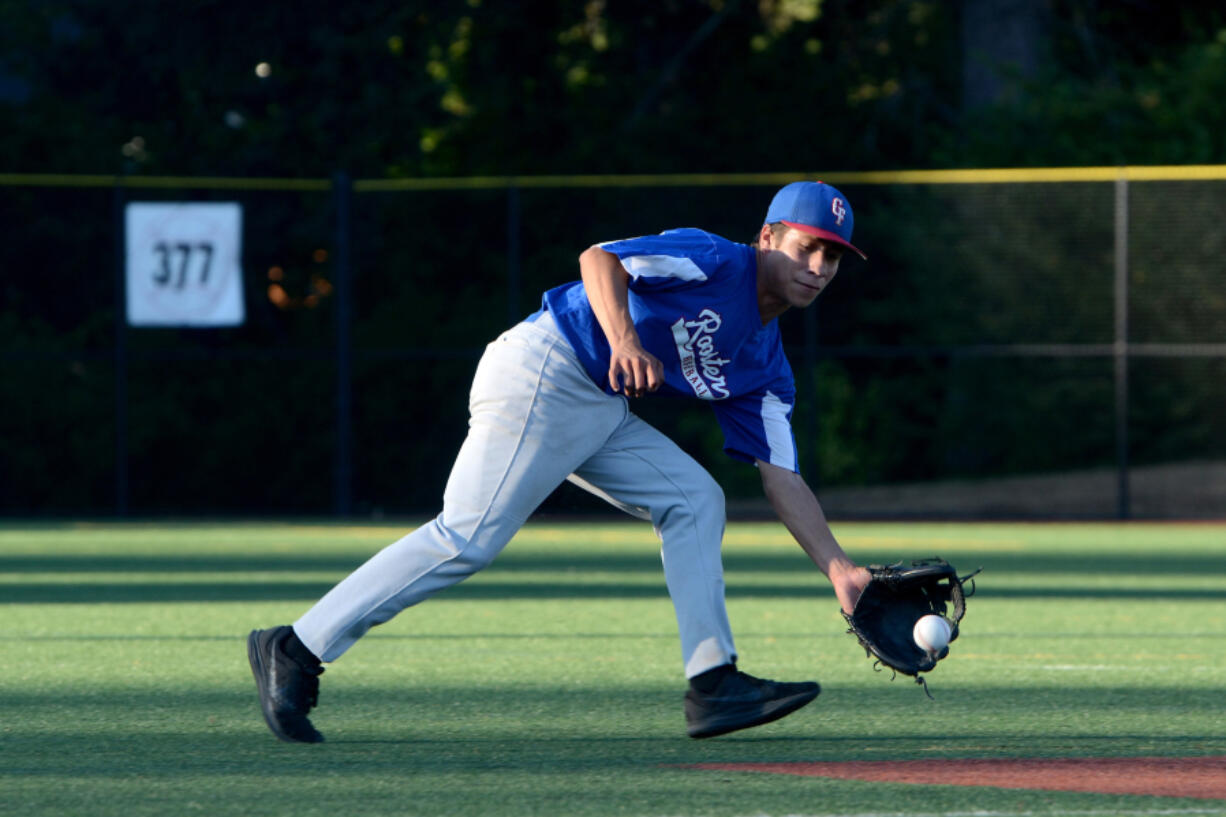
pixel 1203 777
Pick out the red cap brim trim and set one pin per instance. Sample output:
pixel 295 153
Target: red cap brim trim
pixel 824 234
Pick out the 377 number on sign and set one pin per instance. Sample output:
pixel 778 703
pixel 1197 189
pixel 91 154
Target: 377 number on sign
pixel 176 259
pixel 184 264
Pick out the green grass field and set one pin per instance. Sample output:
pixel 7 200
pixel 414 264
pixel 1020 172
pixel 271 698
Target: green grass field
pixel 550 683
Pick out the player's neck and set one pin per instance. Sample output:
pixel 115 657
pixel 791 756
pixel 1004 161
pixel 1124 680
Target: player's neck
pixel 770 305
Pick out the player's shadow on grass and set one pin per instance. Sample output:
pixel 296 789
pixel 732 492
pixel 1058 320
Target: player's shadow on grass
pixel 440 729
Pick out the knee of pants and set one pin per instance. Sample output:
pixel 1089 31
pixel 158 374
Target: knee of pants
pixel 702 500
pixel 476 559
pixel 469 554
pixel 474 556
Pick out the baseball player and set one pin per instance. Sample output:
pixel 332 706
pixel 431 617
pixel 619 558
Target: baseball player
pixel 685 313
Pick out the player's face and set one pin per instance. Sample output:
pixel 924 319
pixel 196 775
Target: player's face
pixel 801 265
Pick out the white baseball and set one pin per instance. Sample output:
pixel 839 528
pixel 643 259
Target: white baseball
pixel 931 633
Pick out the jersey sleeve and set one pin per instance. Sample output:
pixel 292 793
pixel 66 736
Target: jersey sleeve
pixel 672 260
pixel 759 427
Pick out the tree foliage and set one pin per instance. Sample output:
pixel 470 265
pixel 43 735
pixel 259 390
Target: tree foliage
pixel 487 87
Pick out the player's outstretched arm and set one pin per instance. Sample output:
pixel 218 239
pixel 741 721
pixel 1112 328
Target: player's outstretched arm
pixel 801 513
pixel 632 369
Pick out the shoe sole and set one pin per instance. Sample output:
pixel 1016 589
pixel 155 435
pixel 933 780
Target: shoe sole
pixel 260 671
pixel 759 715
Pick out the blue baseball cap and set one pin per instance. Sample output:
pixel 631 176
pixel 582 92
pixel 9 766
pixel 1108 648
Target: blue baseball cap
pixel 815 208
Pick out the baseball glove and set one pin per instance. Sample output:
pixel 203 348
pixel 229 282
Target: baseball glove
pixel 899 595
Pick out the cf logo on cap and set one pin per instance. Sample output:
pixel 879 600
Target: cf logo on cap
pixel 840 211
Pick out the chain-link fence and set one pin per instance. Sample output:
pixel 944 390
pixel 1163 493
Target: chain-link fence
pixel 1020 343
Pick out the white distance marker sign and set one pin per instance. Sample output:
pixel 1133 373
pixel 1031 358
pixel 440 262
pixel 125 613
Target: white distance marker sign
pixel 184 263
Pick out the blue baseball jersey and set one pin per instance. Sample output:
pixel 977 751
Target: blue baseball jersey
pixel 694 301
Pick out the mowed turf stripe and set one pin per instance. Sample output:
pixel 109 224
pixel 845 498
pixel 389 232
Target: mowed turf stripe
pixel 1198 777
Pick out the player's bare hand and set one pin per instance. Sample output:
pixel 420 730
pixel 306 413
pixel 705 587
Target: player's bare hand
pixel 634 371
pixel 848 585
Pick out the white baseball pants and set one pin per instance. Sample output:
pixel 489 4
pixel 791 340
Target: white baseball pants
pixel 536 420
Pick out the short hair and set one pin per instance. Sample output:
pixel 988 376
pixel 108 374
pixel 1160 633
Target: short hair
pixel 778 230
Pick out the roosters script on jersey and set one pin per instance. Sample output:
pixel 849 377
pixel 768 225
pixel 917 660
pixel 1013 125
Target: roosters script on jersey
pixel 706 373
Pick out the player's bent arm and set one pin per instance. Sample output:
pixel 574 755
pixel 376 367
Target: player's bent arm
pixel 632 368
pixel 800 512
pixel 607 285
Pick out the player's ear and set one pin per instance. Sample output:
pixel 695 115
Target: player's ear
pixel 766 237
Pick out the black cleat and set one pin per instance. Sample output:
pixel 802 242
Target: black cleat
pixel 288 690
pixel 742 701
